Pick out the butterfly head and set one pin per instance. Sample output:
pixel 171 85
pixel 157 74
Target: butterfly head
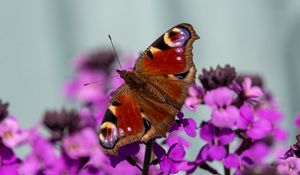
pixel 124 74
pixel 131 79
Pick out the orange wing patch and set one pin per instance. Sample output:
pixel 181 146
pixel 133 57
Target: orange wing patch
pixel 122 123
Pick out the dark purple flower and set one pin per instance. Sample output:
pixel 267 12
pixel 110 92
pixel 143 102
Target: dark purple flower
pixel 255 128
pixel 100 60
pixel 124 152
pixel 216 138
pixel 224 114
pixel 168 161
pixel 196 95
pixel 65 122
pixel 7 156
pixel 218 77
pixel 3 110
pixel 289 166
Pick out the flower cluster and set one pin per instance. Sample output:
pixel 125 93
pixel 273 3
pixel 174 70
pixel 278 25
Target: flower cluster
pixel 242 128
pixel 244 122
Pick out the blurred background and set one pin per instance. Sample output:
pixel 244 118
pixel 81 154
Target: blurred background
pixel 38 38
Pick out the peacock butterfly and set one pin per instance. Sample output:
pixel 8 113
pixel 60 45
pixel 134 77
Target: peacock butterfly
pixel 145 106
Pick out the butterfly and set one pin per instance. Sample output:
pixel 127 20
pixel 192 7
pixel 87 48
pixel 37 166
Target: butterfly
pixel 145 106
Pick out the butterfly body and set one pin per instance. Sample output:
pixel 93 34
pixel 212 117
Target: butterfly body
pixel 145 106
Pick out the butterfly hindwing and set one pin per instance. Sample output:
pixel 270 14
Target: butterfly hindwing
pixel 122 123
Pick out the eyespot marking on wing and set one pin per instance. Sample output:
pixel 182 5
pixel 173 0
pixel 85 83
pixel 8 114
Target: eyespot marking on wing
pixel 178 36
pixel 108 135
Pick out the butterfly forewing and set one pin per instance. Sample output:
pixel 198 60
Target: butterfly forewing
pixel 171 53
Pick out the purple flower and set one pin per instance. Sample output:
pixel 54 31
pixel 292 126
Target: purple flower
pixel 125 152
pixel 280 134
pixel 232 161
pixel 174 137
pixel 75 89
pixel 101 60
pixel 189 125
pixel 255 128
pixel 255 154
pixel 247 92
pixel 289 166
pixel 168 161
pixel 7 156
pixel 196 94
pixel 271 114
pixel 43 156
pixel 297 121
pixel 11 169
pixel 223 114
pixel 80 144
pixel 11 133
pixel 216 139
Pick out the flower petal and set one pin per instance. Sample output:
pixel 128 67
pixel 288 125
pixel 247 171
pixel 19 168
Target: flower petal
pixel 225 118
pixel 260 129
pixel 190 127
pixel 207 132
pixel 225 136
pixel 158 150
pixel 217 152
pixel 232 161
pixel 176 152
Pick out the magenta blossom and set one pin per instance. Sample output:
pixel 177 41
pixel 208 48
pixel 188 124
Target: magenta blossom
pixel 11 133
pixel 93 93
pixel 289 166
pixel 187 124
pixel 174 137
pixel 248 92
pixel 255 128
pixel 216 138
pixel 196 94
pixel 81 144
pixel 168 161
pixel 224 114
pixel 39 159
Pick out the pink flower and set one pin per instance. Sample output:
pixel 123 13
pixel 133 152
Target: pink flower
pixel 196 94
pixel 255 128
pixel 11 133
pixel 289 166
pixel 224 114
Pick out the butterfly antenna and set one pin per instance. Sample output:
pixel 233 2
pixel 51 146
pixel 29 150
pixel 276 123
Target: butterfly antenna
pixel 114 51
pixel 98 81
